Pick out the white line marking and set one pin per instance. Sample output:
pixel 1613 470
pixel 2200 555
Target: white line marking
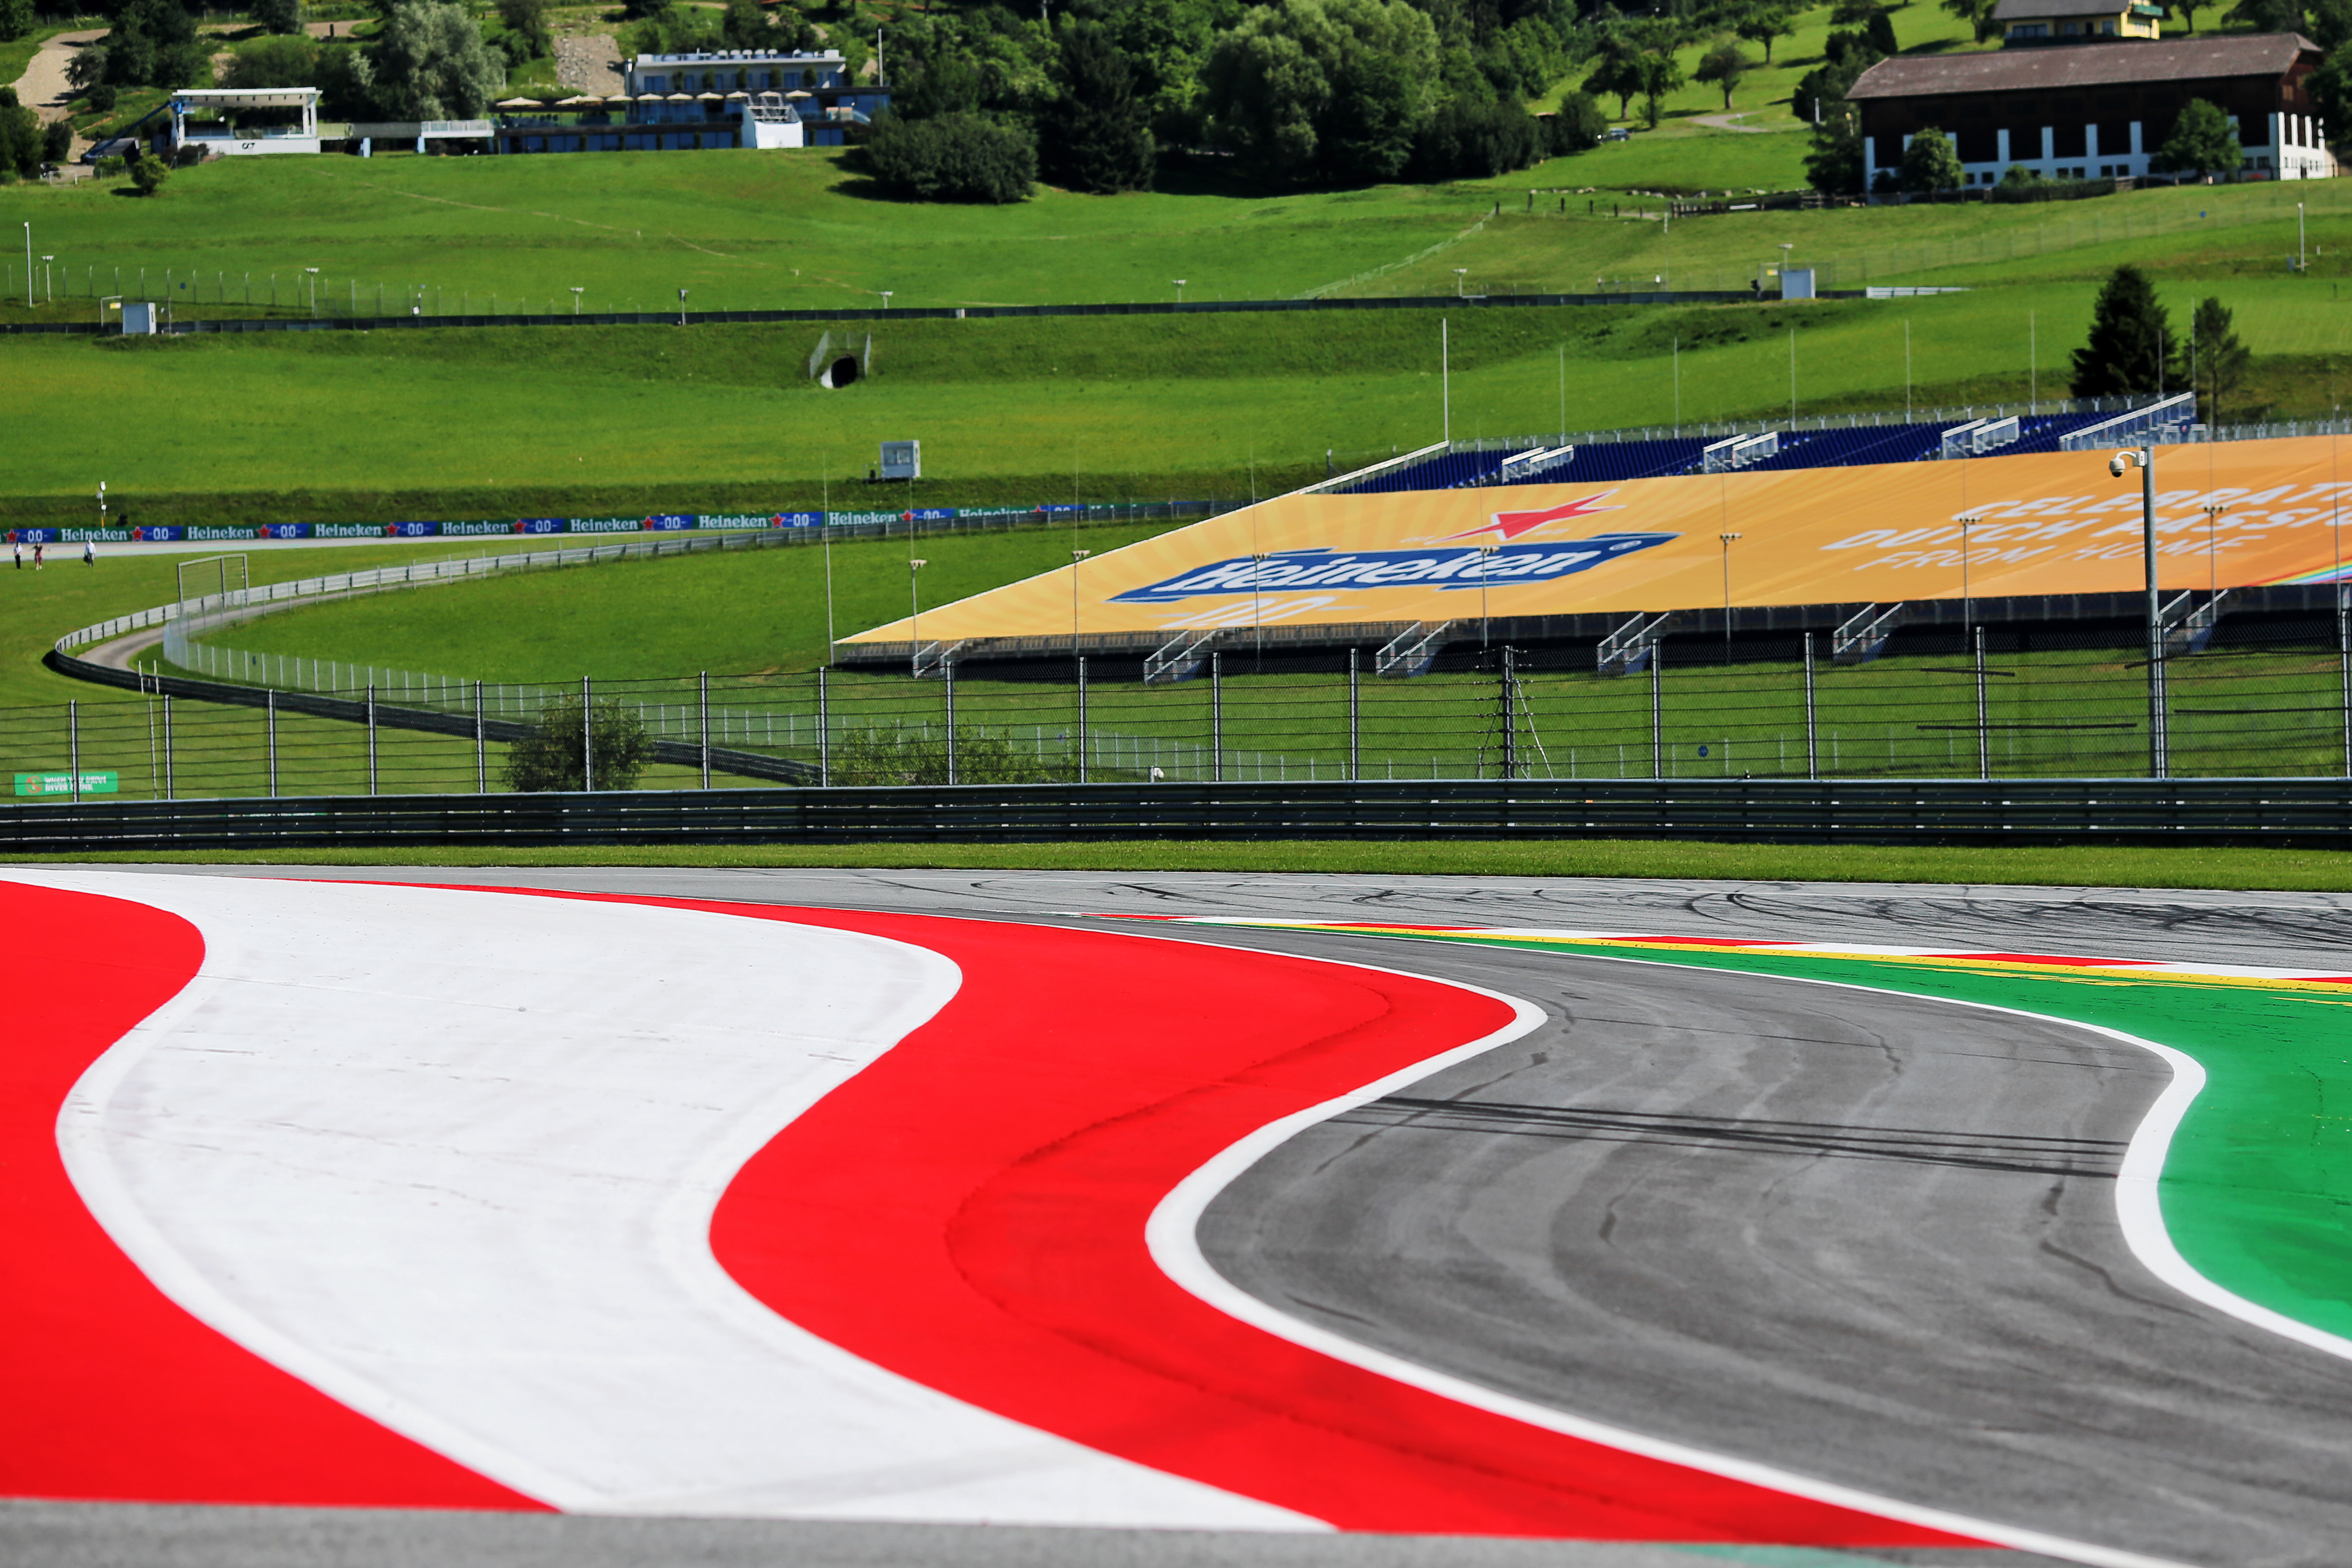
pixel 1173 1234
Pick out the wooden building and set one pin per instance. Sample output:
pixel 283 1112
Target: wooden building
pixel 2096 110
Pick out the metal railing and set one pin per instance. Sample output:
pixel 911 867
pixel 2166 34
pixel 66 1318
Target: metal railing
pixel 2279 811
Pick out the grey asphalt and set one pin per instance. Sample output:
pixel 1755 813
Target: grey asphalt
pixel 1863 1238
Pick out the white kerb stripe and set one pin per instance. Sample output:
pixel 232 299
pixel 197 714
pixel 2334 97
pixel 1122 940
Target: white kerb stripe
pixel 451 1157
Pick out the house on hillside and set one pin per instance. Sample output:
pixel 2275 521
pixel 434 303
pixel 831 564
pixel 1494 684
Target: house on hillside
pixel 2096 113
pixel 2025 23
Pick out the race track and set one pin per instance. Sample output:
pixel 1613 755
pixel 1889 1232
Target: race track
pixel 1857 1237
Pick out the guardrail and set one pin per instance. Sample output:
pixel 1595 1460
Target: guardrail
pixel 2287 812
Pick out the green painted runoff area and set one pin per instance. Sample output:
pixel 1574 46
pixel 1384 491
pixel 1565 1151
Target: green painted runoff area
pixel 2259 1174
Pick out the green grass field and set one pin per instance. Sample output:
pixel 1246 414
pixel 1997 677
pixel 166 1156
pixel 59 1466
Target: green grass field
pixel 752 612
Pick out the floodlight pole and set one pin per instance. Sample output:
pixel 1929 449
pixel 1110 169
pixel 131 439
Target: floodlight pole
pixel 915 565
pixel 314 291
pixel 886 297
pixel 29 301
pixel 681 307
pixel 1076 556
pixel 2159 758
pixel 1179 289
pixel 1968 614
pixel 2212 572
pixel 575 299
pixel 1727 539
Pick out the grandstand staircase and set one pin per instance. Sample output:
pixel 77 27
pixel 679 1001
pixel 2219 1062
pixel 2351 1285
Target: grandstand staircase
pixel 1179 660
pixel 1631 647
pixel 931 659
pixel 1412 650
pixel 2190 633
pixel 1863 635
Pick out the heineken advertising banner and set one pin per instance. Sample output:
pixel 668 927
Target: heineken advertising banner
pixel 479 527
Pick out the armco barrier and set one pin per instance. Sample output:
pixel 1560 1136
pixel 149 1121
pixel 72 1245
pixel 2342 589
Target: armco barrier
pixel 2301 812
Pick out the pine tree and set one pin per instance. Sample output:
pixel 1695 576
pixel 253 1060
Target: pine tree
pixel 2131 347
pixel 2220 360
pixel 1100 138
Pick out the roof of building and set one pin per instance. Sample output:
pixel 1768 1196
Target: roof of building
pixel 2035 10
pixel 742 56
pixel 2085 65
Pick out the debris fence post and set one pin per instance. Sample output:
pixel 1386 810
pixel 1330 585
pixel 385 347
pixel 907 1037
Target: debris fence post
pixel 587 734
pixel 1813 730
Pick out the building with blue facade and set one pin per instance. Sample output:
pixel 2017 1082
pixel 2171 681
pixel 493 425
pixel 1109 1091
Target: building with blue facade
pixel 728 98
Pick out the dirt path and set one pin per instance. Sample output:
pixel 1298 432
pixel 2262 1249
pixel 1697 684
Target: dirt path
pixel 43 88
pixel 589 63
pixel 1731 121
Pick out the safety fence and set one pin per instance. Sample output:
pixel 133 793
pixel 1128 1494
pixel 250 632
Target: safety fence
pixel 2271 700
pixel 2273 812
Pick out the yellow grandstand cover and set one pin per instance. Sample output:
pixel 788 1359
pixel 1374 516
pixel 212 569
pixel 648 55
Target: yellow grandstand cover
pixel 2050 523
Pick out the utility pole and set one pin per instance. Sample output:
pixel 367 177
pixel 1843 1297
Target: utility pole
pixel 2122 463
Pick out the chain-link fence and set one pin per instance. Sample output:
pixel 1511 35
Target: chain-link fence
pixel 2270 698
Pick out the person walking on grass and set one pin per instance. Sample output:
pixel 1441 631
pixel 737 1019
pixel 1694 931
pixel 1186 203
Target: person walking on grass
pixel 38 547
pixel 18 545
pixel 89 552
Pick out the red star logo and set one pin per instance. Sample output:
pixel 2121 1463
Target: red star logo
pixel 1511 524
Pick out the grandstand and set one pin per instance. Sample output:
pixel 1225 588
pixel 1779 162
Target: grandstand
pixel 1613 457
pixel 1866 534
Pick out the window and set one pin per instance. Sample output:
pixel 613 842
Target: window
pixel 2107 27
pixel 2070 28
pixel 656 84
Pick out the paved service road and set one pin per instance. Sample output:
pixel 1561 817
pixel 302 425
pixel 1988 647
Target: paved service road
pixel 1865 1238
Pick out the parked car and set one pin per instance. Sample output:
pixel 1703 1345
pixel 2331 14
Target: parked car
pixel 1617 133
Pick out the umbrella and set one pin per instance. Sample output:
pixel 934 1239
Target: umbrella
pixel 521 103
pixel 579 100
pixel 681 98
pixel 649 98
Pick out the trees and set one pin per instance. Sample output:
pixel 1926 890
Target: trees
pixel 2220 360
pixel 551 757
pixel 526 20
pixel 958 157
pixel 1322 89
pixel 273 62
pixel 1100 138
pixel 153 44
pixel 2268 16
pixel 1930 164
pixel 1834 165
pixel 279 15
pixel 2131 347
pixel 1578 126
pixel 1615 75
pixel 20 139
pixel 1655 65
pixel 1763 21
pixel 430 63
pixel 15 18
pixel 1476 139
pixel 1977 14
pixel 2203 142
pixel 1723 64
pixel 2331 86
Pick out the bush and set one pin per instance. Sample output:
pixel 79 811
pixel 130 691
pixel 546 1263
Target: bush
pixel 954 158
pixel 279 15
pixel 15 18
pixel 901 754
pixel 57 141
pixel 548 758
pixel 149 175
pixel 1578 127
pixel 100 97
pixel 1477 140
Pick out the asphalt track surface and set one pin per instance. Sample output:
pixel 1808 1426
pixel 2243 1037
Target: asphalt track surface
pixel 1865 1238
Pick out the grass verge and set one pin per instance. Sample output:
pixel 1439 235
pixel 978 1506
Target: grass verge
pixel 2090 865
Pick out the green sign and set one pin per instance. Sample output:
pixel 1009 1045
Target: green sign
pixel 63 784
